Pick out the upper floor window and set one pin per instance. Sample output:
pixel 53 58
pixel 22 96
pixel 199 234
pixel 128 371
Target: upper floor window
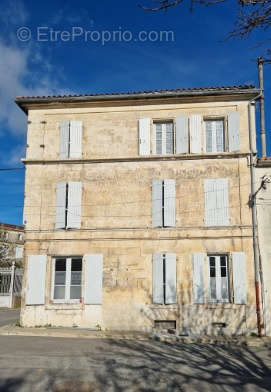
pixel 214 135
pixel 163 203
pixel 190 134
pixel 68 205
pixel 70 139
pixel 164 138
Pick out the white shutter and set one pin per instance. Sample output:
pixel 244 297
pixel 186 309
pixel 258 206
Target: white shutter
pixel 74 205
pixel 209 136
pixel 61 205
pixel 239 277
pixel 195 134
pixel 18 252
pixel 36 274
pixel 198 278
pixel 157 212
pixel 93 279
pixel 234 131
pixel 157 279
pixel 169 203
pixel 64 132
pixel 216 202
pixel 169 138
pixel 181 135
pixel 171 289
pixel 75 139
pixel 222 203
pixel 144 136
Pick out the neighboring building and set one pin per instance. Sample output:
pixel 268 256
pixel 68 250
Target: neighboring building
pixel 11 244
pixel 11 263
pixel 136 211
pixel 263 203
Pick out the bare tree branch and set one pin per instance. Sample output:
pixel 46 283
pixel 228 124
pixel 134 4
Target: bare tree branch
pixel 161 5
pixel 252 14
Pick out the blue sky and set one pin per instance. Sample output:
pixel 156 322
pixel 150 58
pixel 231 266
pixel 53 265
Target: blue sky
pixel 198 56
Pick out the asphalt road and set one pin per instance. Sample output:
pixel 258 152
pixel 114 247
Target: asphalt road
pixel 63 365
pixel 9 316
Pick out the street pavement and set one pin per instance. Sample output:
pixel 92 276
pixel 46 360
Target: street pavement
pixel 88 365
pixel 9 316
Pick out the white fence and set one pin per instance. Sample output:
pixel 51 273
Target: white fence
pixel 10 286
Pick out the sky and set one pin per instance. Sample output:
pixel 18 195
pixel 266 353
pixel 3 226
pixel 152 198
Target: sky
pixel 80 47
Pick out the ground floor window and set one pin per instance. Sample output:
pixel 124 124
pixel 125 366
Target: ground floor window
pixel 218 278
pixel 67 279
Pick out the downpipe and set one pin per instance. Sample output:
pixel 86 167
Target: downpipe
pixel 252 205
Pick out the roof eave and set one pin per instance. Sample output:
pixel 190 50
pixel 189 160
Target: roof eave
pixel 24 102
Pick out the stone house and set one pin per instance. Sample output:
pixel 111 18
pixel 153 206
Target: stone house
pixel 11 244
pixel 136 211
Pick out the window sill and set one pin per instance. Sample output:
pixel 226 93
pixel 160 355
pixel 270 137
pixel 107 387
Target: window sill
pixel 164 306
pixel 63 306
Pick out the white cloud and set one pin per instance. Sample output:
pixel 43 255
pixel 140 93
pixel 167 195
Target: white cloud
pixel 13 12
pixel 15 155
pixel 19 77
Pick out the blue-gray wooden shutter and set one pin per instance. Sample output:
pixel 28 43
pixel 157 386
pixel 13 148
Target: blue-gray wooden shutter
pixel 61 205
pixel 157 279
pixel 209 136
pixel 76 139
pixel 157 195
pixel 181 135
pixel 195 133
pixel 171 281
pixel 169 138
pixel 169 203
pixel 64 138
pixel 234 131
pixel 35 278
pixel 144 136
pixel 74 205
pixel 239 277
pixel 216 202
pixel 198 278
pixel 93 279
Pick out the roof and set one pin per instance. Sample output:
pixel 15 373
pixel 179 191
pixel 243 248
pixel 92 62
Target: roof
pixel 23 102
pixel 7 226
pixel 264 162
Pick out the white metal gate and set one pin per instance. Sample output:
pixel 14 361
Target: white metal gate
pixel 10 285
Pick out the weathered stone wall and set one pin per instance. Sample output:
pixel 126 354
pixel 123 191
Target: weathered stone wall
pixel 111 131
pixel 116 218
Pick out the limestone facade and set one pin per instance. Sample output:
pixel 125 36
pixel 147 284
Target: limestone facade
pixel 116 217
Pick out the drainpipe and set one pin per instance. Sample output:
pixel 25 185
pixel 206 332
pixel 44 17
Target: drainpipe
pixel 262 114
pixel 252 205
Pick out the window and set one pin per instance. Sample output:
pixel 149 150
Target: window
pixel 20 237
pixel 70 140
pixel 163 203
pixel 18 252
pixel 214 135
pixel 164 138
pixel 189 136
pixel 216 197
pixel 218 278
pixel 67 280
pixel 68 205
pixel 164 278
